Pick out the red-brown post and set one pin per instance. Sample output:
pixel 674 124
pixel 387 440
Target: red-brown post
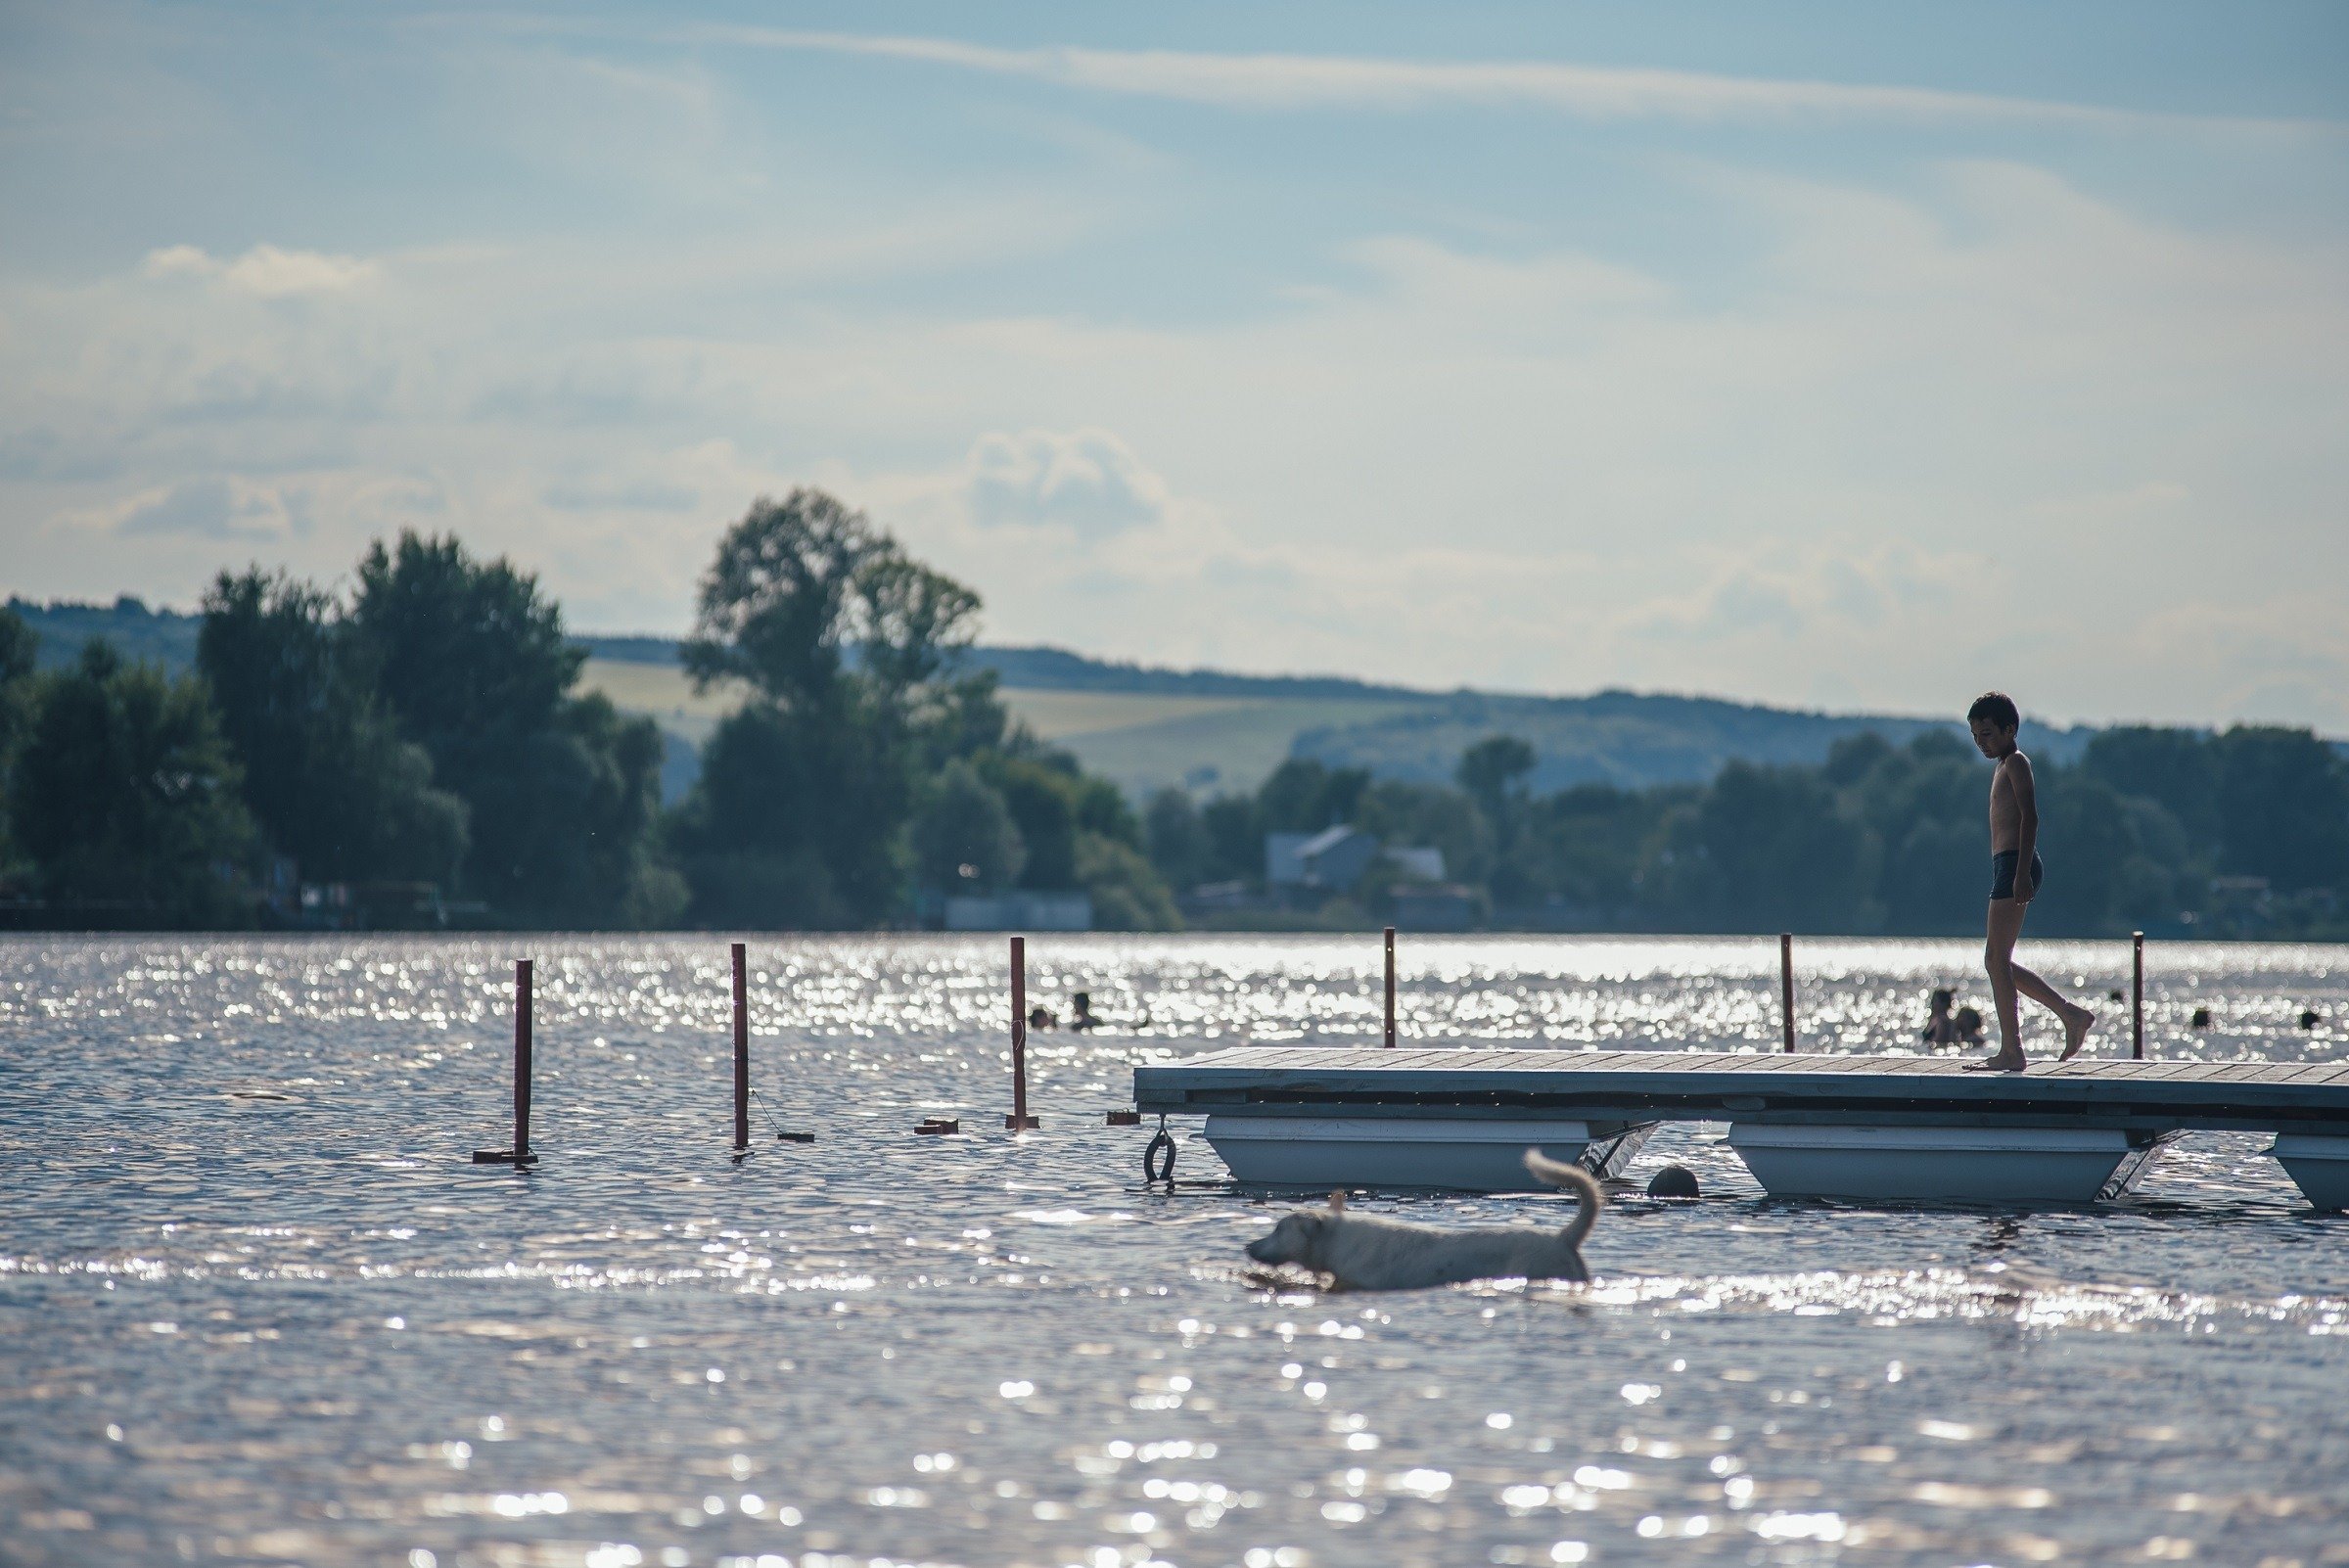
pixel 1017 1121
pixel 1390 987
pixel 522 1061
pixel 742 1048
pixel 1786 984
pixel 2137 998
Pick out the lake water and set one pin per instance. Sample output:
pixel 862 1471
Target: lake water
pixel 257 1306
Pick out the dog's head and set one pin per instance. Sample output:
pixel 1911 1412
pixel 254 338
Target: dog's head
pixel 1297 1239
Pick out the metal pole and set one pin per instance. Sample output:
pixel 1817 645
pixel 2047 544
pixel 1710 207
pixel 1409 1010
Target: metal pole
pixel 1786 984
pixel 742 1049
pixel 1390 987
pixel 1018 1121
pixel 2137 1000
pixel 522 1061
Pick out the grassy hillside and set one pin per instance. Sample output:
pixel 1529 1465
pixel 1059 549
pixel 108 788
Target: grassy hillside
pixel 1138 739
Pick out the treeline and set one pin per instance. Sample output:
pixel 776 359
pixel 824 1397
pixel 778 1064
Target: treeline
pixel 417 752
pixel 2245 833
pixel 420 748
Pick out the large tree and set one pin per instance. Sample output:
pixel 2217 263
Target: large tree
pixel 17 643
pixel 564 793
pixel 869 752
pixel 850 650
pixel 326 772
pixel 814 606
pixel 2282 799
pixel 125 798
pixel 1768 848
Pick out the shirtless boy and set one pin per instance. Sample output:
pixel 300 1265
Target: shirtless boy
pixel 2015 876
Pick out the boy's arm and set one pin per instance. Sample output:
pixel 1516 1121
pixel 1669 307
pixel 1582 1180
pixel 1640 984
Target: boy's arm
pixel 2026 824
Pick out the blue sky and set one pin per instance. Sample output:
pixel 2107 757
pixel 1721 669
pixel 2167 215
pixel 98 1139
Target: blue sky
pixel 1854 356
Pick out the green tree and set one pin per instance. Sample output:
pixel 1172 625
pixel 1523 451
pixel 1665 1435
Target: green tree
pixel 2177 768
pixel 1591 845
pixel 1769 848
pixel 1305 796
pixel 1399 813
pixel 1177 839
pixel 2284 808
pixel 761 839
pixel 814 606
pixel 563 793
pixel 1924 806
pixel 1044 801
pixel 18 644
pixel 965 840
pixel 458 646
pixel 325 772
pixel 1235 839
pixel 125 797
pixel 1126 893
pixel 853 651
pixel 1493 772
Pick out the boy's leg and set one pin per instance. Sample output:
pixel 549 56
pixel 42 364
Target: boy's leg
pixel 1997 959
pixel 2076 1018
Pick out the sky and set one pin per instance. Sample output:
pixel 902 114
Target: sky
pixel 1843 356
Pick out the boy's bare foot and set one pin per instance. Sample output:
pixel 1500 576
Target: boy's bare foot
pixel 2000 1063
pixel 2076 1025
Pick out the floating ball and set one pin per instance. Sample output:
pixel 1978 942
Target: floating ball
pixel 1674 1181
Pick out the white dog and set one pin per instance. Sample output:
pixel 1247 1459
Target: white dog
pixel 1361 1252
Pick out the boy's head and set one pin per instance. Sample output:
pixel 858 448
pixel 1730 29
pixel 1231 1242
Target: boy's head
pixel 1994 721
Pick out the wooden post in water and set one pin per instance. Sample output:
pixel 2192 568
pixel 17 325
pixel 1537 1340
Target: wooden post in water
pixel 1390 987
pixel 742 1049
pixel 1786 985
pixel 523 968
pixel 519 1154
pixel 1019 1121
pixel 2137 1000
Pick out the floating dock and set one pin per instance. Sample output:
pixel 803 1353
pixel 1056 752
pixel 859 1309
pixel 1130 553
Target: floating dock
pixel 1871 1128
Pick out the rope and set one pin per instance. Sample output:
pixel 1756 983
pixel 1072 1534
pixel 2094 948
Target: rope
pixel 781 1136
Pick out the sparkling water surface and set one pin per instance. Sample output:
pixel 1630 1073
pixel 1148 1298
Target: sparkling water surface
pixel 257 1306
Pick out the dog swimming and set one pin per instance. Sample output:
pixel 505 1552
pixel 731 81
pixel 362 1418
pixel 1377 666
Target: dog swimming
pixel 1360 1252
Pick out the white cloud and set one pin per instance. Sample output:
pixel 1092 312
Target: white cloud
pixel 216 508
pixel 1085 480
pixel 206 522
pixel 1989 430
pixel 266 272
pixel 1281 81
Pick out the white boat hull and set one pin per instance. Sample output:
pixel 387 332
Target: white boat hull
pixel 1314 1152
pixel 1941 1163
pixel 2318 1166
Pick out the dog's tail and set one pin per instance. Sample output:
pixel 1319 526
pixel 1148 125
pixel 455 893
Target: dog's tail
pixel 1585 1186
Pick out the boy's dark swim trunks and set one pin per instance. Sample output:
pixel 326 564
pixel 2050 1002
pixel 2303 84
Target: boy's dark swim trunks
pixel 2002 874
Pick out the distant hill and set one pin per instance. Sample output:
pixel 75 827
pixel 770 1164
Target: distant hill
pixel 1618 737
pixel 155 637
pixel 1206 730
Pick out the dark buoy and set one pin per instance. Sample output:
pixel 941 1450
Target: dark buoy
pixel 2201 1018
pixel 1674 1181
pixel 2309 1018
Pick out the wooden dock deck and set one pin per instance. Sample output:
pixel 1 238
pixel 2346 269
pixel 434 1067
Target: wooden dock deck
pixel 1305 1112
pixel 1715 1085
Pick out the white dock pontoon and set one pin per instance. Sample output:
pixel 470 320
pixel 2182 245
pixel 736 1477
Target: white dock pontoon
pixel 1905 1127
